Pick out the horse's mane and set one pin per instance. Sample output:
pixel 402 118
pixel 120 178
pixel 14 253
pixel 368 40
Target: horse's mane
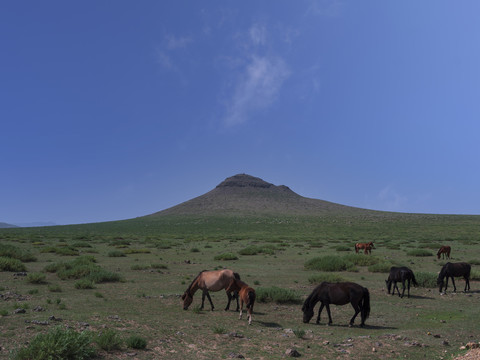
pixel 308 300
pixel 442 273
pixel 236 276
pixel 196 277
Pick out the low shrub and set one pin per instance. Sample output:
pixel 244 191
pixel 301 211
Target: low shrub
pixel 137 251
pixel 254 250
pixel 328 277
pixel 54 288
pixel 108 340
pixel 329 263
pixel 82 267
pixel 419 252
pixel 277 295
pixel 474 275
pixel 426 279
pixel 36 278
pixel 58 343
pixel 226 256
pixel 362 259
pixel 15 252
pixel 116 253
pixel 11 264
pixel 299 333
pixel 84 284
pixel 62 250
pixel 381 267
pixel 136 342
pixel 159 266
pixel 342 248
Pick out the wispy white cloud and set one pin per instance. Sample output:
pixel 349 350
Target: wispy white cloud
pixel 176 42
pixel 258 34
pixel 389 199
pixel 259 86
pixel 329 8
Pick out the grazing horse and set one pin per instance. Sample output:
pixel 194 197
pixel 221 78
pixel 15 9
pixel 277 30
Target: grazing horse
pixel 215 280
pixel 454 270
pixel 340 293
pixel 400 274
pixel 247 296
pixel 366 246
pixel 444 251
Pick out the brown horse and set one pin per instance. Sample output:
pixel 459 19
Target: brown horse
pixel 451 270
pixel 247 296
pixel 215 280
pixel 445 251
pixel 338 294
pixel 366 246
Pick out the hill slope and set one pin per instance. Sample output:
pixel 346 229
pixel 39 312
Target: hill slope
pixel 5 225
pixel 243 194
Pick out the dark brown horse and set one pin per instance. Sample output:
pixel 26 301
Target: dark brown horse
pixel 247 297
pixel 444 251
pixel 215 280
pixel 454 270
pixel 338 294
pixel 367 247
pixel 402 274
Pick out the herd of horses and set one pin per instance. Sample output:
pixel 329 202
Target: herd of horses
pixel 326 293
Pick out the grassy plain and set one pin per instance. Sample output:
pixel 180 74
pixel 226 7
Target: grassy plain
pixel 157 257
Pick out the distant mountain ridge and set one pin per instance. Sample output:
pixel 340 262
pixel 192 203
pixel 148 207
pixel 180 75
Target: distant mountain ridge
pixel 5 225
pixel 244 194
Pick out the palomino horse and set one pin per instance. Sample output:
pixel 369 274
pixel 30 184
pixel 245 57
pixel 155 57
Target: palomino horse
pixel 454 270
pixel 215 280
pixel 402 274
pixel 444 251
pixel 366 246
pixel 338 294
pixel 247 296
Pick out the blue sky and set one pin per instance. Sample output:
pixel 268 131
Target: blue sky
pixel 113 109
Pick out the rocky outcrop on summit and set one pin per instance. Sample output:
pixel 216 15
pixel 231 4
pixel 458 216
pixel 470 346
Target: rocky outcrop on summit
pixel 244 194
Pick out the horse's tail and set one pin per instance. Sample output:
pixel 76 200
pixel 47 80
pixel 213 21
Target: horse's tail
pixel 251 299
pixel 366 304
pixel 414 281
pixel 356 248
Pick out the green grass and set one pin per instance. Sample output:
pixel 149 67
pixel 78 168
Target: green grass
pixel 275 264
pixel 58 343
pixel 330 263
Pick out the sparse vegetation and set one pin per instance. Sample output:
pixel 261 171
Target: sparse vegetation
pixel 58 343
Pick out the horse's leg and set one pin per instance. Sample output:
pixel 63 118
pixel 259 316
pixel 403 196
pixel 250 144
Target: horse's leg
pixel 319 312
pixel 229 295
pixel 403 289
pixel 395 286
pixel 241 309
pixel 467 283
pixel 205 292
pixel 203 299
pixel 236 297
pixel 454 287
pixel 357 309
pixel 327 305
pixel 408 284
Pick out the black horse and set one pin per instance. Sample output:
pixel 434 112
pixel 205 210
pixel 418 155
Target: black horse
pixel 338 294
pixel 454 270
pixel 402 274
